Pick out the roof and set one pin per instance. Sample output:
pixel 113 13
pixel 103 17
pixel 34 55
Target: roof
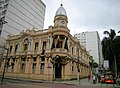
pixel 61 11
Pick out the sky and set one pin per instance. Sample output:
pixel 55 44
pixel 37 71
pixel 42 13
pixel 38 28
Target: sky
pixel 86 15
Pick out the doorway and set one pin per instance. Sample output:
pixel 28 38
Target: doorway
pixel 58 70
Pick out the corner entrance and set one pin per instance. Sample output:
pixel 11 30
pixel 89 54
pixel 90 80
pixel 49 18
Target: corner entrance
pixel 58 70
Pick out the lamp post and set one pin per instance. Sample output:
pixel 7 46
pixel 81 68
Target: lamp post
pixel 4 64
pixel 78 67
pixel 1 24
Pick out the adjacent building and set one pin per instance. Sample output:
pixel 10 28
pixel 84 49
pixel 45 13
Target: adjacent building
pixel 92 42
pixel 47 54
pixel 18 15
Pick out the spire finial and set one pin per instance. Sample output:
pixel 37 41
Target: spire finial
pixel 61 3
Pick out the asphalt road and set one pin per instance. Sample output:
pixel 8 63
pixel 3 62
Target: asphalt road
pixel 18 83
pixel 46 85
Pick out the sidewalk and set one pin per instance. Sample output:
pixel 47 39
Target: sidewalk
pixel 83 82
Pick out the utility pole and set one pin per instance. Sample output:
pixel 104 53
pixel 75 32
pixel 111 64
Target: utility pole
pixel 78 67
pixel 4 64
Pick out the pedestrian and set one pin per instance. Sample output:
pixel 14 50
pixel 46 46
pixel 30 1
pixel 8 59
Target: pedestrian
pixel 94 79
pixel 99 77
pixel 89 77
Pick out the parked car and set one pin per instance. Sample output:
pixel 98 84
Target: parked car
pixel 108 78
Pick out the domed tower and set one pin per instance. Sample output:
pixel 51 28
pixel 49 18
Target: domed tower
pixel 60 19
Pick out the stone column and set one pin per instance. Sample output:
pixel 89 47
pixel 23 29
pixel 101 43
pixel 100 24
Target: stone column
pixel 37 70
pixel 21 46
pixel 13 49
pixel 19 64
pixel 32 44
pixel 51 42
pixel 10 68
pixel 29 46
pixel 27 66
pixel 63 45
pixel 16 65
pixel 39 46
pixel 68 43
pixel 30 65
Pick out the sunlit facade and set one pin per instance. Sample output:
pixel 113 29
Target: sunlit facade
pixel 48 54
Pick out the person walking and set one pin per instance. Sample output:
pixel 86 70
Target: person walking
pixel 89 76
pixel 99 77
pixel 94 79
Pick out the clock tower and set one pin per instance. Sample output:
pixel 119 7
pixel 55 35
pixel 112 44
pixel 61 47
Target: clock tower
pixel 60 19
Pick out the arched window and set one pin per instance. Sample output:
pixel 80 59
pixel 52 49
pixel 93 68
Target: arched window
pixel 36 46
pixel 26 43
pixel 44 45
pixel 16 48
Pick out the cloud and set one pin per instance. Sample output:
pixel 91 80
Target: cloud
pixel 86 15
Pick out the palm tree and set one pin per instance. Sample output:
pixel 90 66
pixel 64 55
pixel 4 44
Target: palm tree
pixel 117 51
pixel 108 49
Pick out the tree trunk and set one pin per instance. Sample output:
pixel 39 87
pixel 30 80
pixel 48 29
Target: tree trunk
pixel 115 65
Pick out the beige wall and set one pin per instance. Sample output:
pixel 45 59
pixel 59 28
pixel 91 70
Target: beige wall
pixel 57 41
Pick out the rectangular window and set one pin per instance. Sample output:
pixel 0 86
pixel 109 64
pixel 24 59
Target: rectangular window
pixel 23 68
pixel 59 44
pixel 10 49
pixel 72 50
pixel 8 59
pixel 25 47
pixel 4 12
pixel 16 48
pixel 2 18
pixel 6 5
pixel 23 59
pixel 6 0
pixel 44 45
pixel 33 68
pixel 36 46
pixel 34 59
pixel 42 58
pixel 12 64
pixel 72 66
pixel 42 68
pixel 13 59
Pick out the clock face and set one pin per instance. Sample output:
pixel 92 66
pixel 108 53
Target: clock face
pixel 62 22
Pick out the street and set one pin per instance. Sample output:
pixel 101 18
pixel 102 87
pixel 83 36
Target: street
pixel 19 83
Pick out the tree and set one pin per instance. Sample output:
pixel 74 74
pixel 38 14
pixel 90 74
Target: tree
pixel 117 51
pixel 95 65
pixel 108 49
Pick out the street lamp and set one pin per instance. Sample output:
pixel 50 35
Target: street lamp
pixel 4 64
pixel 78 66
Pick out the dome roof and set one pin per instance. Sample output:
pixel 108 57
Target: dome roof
pixel 61 11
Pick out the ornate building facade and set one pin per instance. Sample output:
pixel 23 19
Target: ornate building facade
pixel 46 54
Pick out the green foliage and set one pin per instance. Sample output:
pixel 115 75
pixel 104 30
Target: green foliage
pixel 110 47
pixel 95 65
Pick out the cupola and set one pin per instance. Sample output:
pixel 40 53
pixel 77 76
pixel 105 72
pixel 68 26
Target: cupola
pixel 61 11
pixel 60 19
